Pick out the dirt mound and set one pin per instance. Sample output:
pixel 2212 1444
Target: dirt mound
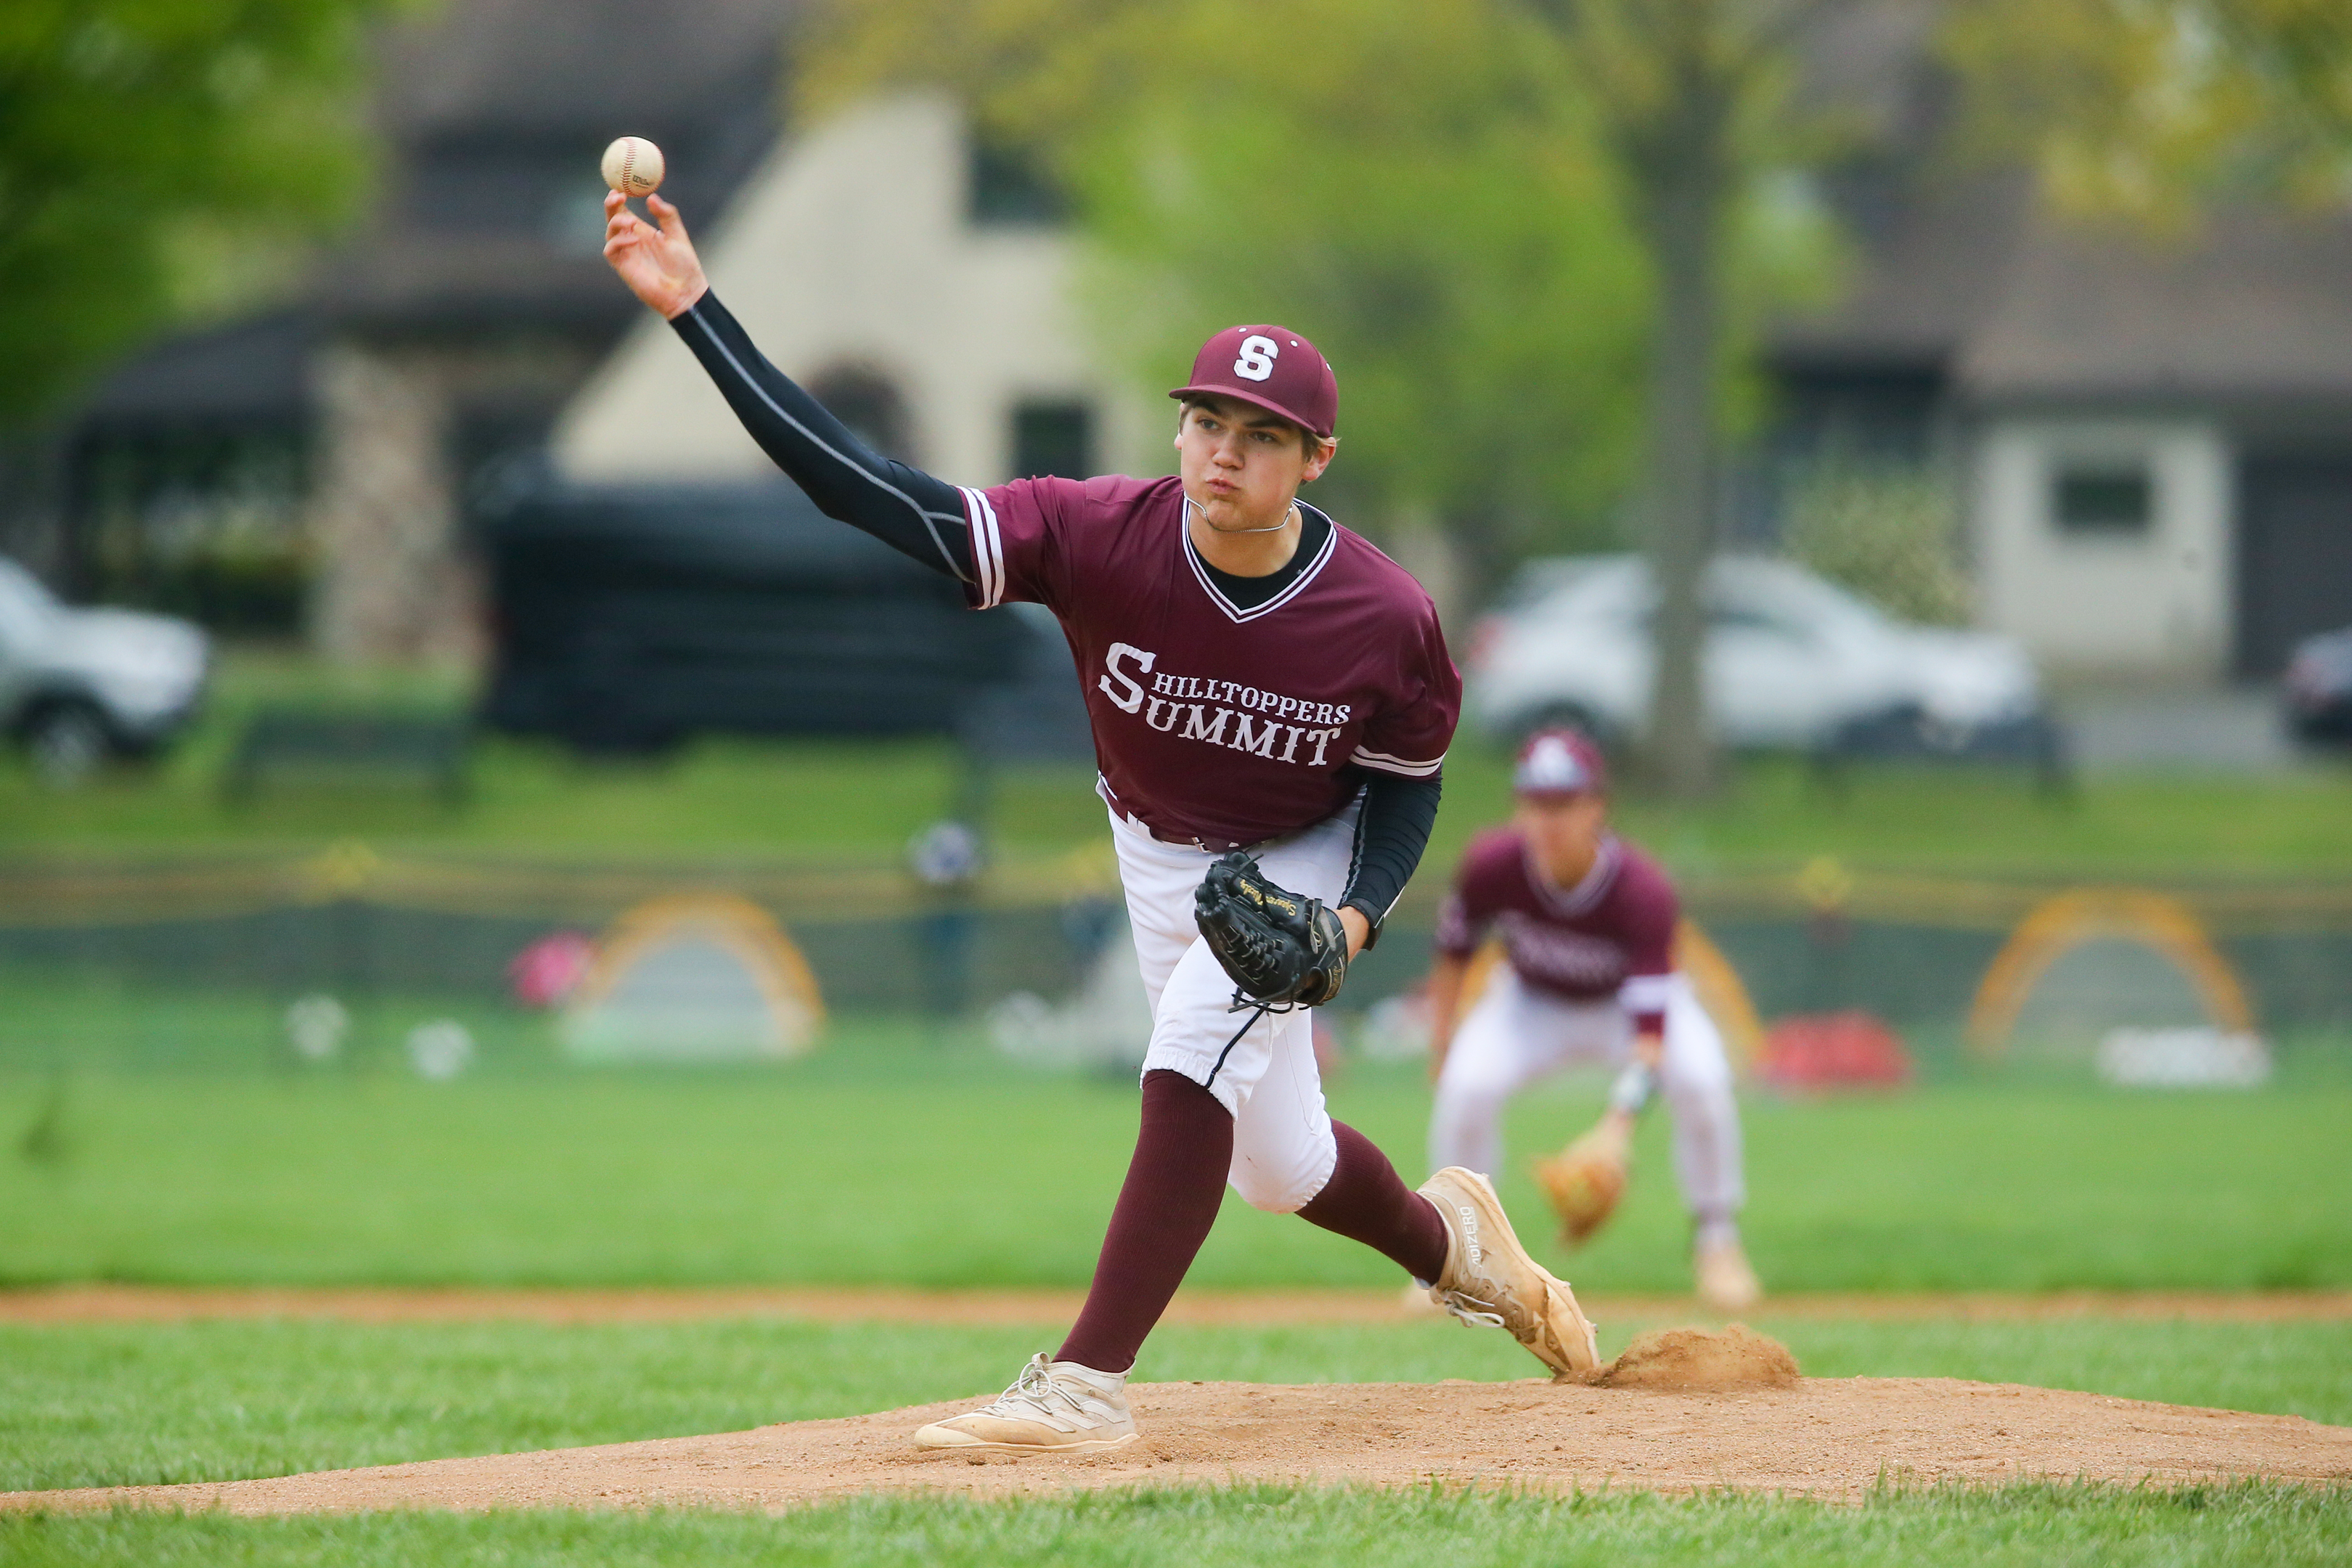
pixel 1691 1361
pixel 1829 1438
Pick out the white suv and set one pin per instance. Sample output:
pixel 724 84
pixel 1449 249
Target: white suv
pixel 1792 659
pixel 77 686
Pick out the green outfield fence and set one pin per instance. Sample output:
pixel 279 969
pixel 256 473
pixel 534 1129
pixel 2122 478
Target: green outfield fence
pixel 1915 951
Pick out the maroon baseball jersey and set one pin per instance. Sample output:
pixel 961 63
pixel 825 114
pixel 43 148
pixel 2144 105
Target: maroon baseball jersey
pixel 1214 724
pixel 1612 934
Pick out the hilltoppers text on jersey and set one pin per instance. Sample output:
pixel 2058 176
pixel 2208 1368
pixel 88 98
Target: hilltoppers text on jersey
pixel 1215 723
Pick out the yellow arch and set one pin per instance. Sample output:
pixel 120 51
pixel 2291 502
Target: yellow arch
pixel 774 962
pixel 1720 992
pixel 2059 924
pixel 1713 980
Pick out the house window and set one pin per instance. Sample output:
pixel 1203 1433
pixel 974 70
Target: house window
pixel 2103 499
pixel 866 401
pixel 1056 438
pixel 1005 186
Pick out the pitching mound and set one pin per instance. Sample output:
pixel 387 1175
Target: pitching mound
pixel 1696 1360
pixel 1826 1437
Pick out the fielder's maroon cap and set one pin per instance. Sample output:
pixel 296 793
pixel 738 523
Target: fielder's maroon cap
pixel 1560 761
pixel 1272 367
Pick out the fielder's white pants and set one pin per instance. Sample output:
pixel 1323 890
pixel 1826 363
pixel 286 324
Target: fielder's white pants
pixel 1515 1035
pixel 1282 1149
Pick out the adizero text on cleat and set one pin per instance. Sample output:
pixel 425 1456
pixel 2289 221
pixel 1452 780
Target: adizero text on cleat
pixel 1489 1279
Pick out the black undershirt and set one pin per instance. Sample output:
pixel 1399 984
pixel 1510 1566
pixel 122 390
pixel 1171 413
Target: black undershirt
pixel 1249 593
pixel 922 518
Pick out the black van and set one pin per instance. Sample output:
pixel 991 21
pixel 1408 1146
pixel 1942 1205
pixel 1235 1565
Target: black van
pixel 628 619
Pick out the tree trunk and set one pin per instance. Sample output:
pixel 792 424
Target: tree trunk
pixel 1683 214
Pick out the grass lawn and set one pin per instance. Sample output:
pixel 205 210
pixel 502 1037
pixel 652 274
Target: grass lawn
pixel 862 800
pixel 2023 1524
pixel 858 1165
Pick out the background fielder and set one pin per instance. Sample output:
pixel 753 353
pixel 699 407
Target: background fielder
pixel 1587 923
pixel 1255 677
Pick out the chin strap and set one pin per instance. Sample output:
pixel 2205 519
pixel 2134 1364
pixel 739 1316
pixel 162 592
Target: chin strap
pixel 1191 506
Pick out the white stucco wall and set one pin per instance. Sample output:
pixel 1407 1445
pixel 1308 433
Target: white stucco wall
pixel 2158 604
pixel 850 247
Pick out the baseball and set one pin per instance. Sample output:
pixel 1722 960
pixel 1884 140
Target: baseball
pixel 633 166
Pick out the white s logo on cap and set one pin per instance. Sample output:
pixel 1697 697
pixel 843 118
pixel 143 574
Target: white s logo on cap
pixel 1257 358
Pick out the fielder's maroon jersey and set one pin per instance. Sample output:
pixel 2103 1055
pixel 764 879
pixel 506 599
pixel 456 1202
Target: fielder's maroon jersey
pixel 1214 724
pixel 1612 934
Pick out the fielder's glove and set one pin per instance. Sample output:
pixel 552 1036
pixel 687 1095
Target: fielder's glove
pixel 1585 1180
pixel 1282 951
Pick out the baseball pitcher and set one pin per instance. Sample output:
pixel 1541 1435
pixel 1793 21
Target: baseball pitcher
pixel 1587 923
pixel 1271 701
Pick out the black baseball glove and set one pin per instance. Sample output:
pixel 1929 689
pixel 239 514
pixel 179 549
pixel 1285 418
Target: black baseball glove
pixel 1282 951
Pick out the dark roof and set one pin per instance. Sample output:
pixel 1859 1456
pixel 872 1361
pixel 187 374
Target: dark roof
pixel 2013 302
pixel 247 371
pixel 2255 305
pixel 494 112
pixel 498 111
pixel 404 284
pixel 1930 273
pixel 478 68
pixel 1973 279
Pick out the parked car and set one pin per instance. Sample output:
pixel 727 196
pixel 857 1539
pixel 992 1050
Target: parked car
pixel 628 619
pixel 2319 688
pixel 1792 659
pixel 77 686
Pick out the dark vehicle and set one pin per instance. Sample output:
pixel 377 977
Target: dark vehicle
pixel 2319 688
pixel 627 620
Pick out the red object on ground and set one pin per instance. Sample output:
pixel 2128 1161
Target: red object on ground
pixel 544 973
pixel 1833 1050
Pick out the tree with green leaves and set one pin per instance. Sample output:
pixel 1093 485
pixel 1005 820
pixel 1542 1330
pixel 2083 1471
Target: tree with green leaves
pixel 164 156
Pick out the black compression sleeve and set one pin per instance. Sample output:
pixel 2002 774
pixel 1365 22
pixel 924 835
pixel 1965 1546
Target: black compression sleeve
pixel 903 507
pixel 1392 830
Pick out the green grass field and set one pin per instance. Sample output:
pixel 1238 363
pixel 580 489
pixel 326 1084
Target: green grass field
pixel 147 1136
pixel 817 800
pixel 525 1173
pixel 854 1166
pixel 2012 1525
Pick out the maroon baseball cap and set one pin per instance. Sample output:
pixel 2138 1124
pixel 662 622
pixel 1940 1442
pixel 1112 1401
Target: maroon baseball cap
pixel 1272 367
pixel 1560 761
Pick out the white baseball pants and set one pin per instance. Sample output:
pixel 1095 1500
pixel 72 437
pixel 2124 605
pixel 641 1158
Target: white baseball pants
pixel 1282 1149
pixel 1515 1035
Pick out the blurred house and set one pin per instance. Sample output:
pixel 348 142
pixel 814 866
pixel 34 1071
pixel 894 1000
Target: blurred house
pixel 2152 435
pixel 2154 438
pixel 317 463
pixel 916 280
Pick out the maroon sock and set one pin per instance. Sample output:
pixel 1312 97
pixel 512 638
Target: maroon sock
pixel 1174 1184
pixel 1367 1201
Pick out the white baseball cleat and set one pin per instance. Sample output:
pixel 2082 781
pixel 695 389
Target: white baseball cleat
pixel 1725 1282
pixel 1052 1408
pixel 1490 1280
